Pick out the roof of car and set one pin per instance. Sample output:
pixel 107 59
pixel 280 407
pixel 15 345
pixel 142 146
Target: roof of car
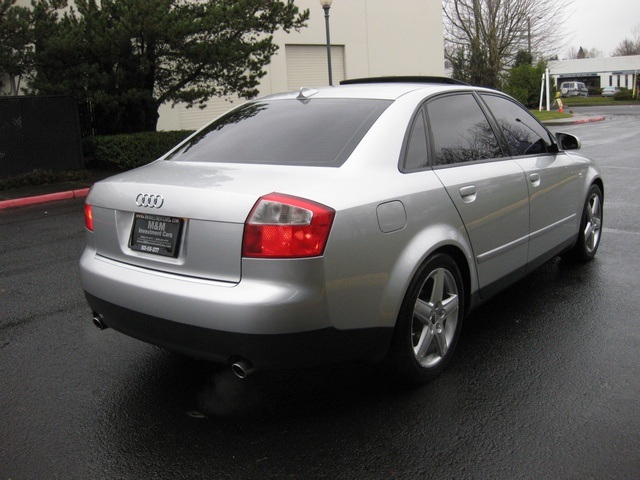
pixel 383 88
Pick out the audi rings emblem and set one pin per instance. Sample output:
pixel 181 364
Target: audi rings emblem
pixel 149 200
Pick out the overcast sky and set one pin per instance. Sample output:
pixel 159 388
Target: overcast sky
pixel 600 24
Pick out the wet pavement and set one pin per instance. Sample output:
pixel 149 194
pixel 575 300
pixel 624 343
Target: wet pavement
pixel 545 383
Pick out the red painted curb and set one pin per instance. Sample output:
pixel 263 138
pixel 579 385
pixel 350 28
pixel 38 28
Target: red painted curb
pixel 589 120
pixel 49 197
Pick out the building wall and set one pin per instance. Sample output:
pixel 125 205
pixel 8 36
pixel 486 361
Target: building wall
pixel 374 37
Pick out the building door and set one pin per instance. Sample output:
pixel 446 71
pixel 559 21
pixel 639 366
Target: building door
pixel 307 65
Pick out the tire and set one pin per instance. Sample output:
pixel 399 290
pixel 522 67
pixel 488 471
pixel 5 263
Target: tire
pixel 429 321
pixel 590 226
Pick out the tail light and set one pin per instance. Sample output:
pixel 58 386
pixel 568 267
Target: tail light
pixel 88 217
pixel 283 226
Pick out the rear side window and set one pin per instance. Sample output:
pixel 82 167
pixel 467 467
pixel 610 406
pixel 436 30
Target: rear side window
pixel 416 156
pixel 523 133
pixel 460 131
pixel 320 132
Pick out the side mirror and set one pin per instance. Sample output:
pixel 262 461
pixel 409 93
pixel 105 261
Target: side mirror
pixel 567 141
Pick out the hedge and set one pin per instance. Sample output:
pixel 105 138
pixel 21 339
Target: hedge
pixel 624 95
pixel 130 150
pixel 42 177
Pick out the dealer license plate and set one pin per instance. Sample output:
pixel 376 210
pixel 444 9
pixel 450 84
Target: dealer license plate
pixel 156 234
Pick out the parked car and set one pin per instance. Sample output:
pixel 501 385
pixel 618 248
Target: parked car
pixel 574 89
pixel 362 221
pixel 610 91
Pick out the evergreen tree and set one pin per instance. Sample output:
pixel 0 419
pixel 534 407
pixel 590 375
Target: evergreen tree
pixel 523 83
pixel 128 57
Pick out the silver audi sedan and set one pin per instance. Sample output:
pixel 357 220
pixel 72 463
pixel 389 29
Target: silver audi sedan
pixel 362 221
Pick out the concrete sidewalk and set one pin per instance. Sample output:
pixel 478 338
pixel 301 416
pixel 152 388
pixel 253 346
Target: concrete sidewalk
pixel 21 197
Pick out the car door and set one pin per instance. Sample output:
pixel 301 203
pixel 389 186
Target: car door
pixel 488 189
pixel 553 179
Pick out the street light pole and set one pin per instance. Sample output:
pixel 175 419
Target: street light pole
pixel 326 5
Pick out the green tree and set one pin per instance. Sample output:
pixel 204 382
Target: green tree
pixel 14 43
pixel 523 58
pixel 128 57
pixel 523 83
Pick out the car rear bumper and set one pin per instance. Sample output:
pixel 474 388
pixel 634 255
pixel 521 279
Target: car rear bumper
pixel 327 345
pixel 269 321
pixel 270 299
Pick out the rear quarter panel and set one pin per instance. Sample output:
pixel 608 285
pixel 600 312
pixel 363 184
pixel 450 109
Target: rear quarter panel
pixel 367 270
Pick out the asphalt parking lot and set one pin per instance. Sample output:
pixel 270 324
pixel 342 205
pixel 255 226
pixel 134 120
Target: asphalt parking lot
pixel 545 384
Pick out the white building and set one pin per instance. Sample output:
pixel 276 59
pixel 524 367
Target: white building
pixel 368 38
pixel 597 72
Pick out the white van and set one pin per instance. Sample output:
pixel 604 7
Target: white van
pixel 574 89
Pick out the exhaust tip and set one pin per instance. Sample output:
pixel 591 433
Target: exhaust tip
pixel 98 322
pixel 242 369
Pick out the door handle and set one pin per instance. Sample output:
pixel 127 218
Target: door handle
pixel 468 193
pixel 534 178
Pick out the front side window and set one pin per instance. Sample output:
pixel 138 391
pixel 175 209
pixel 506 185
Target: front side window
pixel 461 132
pixel 523 133
pixel 317 132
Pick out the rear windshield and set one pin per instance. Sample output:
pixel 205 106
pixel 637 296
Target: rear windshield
pixel 320 132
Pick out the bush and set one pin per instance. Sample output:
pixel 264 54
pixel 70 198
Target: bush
pixel 42 177
pixel 523 83
pixel 130 150
pixel 623 95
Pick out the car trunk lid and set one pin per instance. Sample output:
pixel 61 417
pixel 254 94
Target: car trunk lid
pixel 183 218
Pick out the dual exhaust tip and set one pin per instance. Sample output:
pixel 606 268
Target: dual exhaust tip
pixel 241 369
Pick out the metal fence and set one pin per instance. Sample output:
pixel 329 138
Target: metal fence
pixel 39 133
